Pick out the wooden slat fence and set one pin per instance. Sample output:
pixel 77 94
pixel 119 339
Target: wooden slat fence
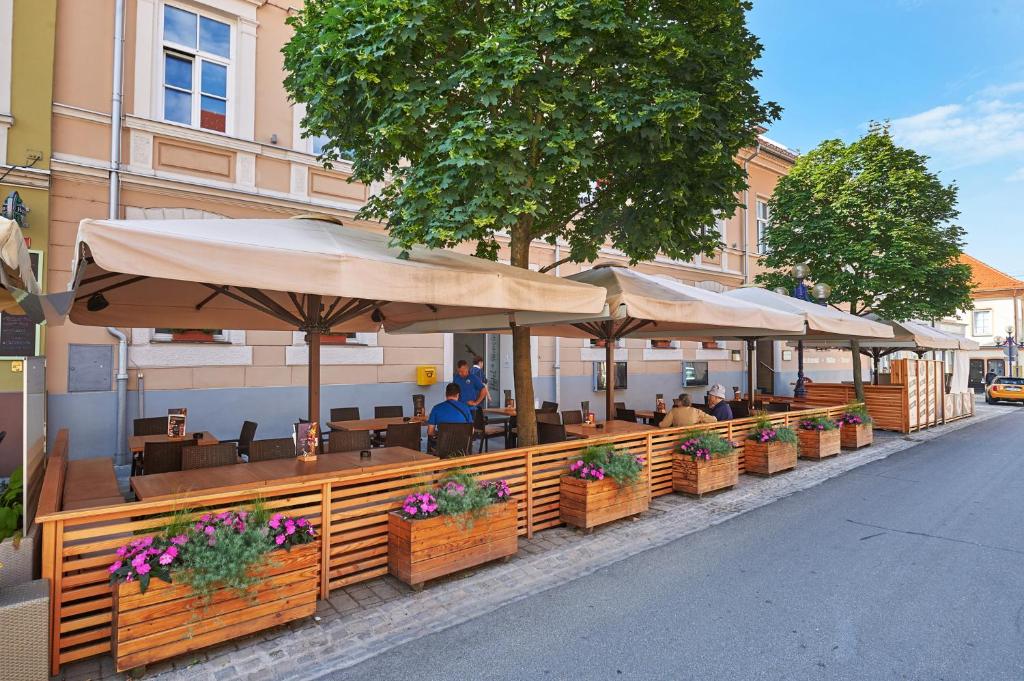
pixel 79 545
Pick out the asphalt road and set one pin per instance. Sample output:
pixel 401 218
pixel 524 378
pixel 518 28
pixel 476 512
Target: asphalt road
pixel 908 568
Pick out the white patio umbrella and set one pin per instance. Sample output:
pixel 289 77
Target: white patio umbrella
pixel 19 291
pixel 638 305
pixel 310 274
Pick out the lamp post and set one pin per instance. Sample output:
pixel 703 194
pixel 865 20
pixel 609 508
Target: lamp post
pixel 800 291
pixel 1012 345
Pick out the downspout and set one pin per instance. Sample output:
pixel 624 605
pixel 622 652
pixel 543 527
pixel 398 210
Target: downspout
pixel 558 341
pixel 115 200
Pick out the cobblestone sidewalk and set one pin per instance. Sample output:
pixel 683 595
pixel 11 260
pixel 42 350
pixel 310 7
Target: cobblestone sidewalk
pixel 367 619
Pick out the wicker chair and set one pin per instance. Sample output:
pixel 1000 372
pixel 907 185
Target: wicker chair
pixel 572 417
pixel 164 457
pixel 348 440
pixel 387 412
pixel 625 415
pixel 156 425
pixel 550 433
pixel 276 448
pixel 454 439
pixel 619 405
pixel 403 435
pixel 345 414
pixel 549 407
pixel 740 409
pixel 223 454
pixel 549 417
pixel 245 437
pixel 777 406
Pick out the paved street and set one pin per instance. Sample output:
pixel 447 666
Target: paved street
pixel 906 568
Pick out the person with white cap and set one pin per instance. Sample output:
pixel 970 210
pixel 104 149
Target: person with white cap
pixel 717 405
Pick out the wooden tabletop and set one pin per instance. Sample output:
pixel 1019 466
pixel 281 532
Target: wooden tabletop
pixel 375 424
pixel 645 413
pixel 609 428
pixel 273 472
pixel 501 411
pixel 137 443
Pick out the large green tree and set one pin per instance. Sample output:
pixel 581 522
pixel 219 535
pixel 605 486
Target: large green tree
pixel 586 121
pixel 874 224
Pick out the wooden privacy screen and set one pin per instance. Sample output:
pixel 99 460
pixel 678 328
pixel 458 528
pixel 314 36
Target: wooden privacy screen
pixel 79 545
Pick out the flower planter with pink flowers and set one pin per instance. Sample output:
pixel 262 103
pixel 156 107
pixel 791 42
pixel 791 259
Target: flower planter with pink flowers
pixel 166 603
pixel 603 486
pixel 769 449
pixel 705 462
pixel 856 429
pixel 819 438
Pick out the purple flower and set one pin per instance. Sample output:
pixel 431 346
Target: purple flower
pixel 279 539
pixel 180 540
pixel 166 559
pixel 209 530
pixel 142 569
pixel 114 567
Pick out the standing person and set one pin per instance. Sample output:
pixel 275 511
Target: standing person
pixel 989 377
pixel 473 390
pixel 683 413
pixel 478 369
pixel 717 406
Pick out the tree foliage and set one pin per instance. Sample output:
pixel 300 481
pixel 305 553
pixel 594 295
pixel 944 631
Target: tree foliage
pixel 873 223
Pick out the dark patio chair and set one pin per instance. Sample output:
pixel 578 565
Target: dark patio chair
pixel 619 405
pixel 164 457
pixel 348 440
pixel 548 407
pixel 454 439
pixel 223 454
pixel 345 414
pixel 245 437
pixel 657 418
pixel 484 431
pixel 572 417
pixel 156 425
pixel 549 417
pixel 275 448
pixel 625 415
pixel 403 435
pixel 777 406
pixel 550 433
pixel 387 412
pixel 740 409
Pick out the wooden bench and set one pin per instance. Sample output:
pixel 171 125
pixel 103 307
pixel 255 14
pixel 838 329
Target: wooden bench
pixel 90 482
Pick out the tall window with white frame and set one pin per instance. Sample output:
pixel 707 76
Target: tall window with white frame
pixel 982 325
pixel 764 221
pixel 197 69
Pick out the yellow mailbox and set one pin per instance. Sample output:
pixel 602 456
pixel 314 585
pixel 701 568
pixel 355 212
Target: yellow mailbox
pixel 426 375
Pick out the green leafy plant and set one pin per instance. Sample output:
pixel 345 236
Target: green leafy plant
pixel 855 415
pixel 765 431
pixel 11 508
pixel 705 445
pixel 818 423
pixel 458 495
pixel 600 461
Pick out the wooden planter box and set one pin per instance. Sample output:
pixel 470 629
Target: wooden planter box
pixel 818 444
pixel 700 477
pixel 855 437
pixel 169 620
pixel 421 550
pixel 589 503
pixel 769 458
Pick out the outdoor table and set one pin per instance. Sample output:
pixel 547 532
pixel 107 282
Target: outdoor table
pixel 648 415
pixel 137 443
pixel 273 472
pixel 609 428
pixel 376 424
pixel 508 413
pixel 500 411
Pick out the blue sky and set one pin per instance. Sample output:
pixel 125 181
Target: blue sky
pixel 949 74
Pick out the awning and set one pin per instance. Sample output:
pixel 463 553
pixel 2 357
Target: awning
pixel 908 335
pixel 823 322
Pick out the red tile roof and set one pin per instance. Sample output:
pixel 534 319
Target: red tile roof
pixel 987 278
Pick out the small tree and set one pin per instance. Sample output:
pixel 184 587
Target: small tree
pixel 589 121
pixel 873 223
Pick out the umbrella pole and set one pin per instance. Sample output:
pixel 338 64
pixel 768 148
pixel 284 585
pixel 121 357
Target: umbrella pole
pixel 609 383
pixel 751 367
pixel 313 342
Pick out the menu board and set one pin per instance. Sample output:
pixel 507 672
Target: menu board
pixel 176 422
pixel 17 336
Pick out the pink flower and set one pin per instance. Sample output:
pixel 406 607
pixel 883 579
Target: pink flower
pixel 123 550
pixel 301 522
pixel 410 510
pixel 114 567
pixel 139 560
pixel 143 569
pixel 180 540
pixel 172 551
pixel 210 529
pixel 166 559
pixel 279 539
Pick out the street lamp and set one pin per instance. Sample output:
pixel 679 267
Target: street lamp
pixel 1012 345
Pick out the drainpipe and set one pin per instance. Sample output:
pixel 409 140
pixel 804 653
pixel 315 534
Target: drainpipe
pixel 558 341
pixel 115 111
pixel 140 390
pixel 122 394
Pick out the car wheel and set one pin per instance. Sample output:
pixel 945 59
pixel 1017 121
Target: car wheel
pixel 989 400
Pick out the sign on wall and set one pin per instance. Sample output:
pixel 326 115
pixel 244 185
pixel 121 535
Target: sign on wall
pixel 19 336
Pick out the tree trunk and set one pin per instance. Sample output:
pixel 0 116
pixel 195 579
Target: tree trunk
pixel 522 362
pixel 858 372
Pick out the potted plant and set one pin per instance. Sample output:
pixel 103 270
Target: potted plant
pixel 769 449
pixel 603 485
pixel 457 525
pixel 212 579
pixel 705 462
pixel 855 427
pixel 661 344
pixel 192 335
pixel 819 438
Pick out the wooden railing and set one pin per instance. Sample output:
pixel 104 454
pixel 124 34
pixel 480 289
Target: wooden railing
pixel 79 545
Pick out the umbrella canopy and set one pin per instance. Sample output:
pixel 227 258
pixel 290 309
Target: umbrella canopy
pixel 312 275
pixel 19 290
pixel 639 305
pixel 823 323
pixel 908 335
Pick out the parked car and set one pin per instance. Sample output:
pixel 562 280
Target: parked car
pixel 1005 389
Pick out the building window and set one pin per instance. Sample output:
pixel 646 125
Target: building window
pixel 764 220
pixel 982 323
pixel 189 336
pixel 317 144
pixel 196 62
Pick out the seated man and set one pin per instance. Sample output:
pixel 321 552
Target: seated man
pixel 683 413
pixel 717 406
pixel 450 411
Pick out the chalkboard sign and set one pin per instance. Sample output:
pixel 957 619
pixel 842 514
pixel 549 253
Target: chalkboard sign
pixel 17 336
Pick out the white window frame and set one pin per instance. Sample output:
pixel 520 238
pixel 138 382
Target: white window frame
pixel 197 56
pixel 762 223
pixel 148 352
pixel 157 337
pixel 974 323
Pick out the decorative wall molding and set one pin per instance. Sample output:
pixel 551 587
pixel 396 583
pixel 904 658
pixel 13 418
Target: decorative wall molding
pixel 145 353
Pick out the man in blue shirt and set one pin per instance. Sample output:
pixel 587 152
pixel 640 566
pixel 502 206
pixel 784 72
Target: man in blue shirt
pixel 717 406
pixel 449 411
pixel 473 390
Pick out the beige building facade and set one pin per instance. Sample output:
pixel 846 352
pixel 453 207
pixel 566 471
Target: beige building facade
pixel 207 130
